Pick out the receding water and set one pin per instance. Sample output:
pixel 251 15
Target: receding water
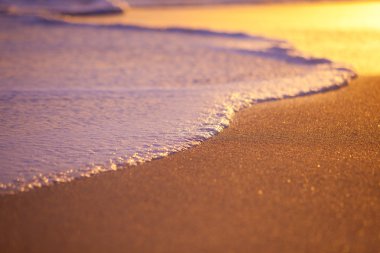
pixel 81 99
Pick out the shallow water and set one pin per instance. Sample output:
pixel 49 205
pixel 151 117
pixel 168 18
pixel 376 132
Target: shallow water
pixel 80 99
pixel 347 32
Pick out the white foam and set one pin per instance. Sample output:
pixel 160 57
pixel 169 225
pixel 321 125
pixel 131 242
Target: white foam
pixel 77 100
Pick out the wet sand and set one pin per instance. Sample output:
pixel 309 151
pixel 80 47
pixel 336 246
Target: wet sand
pixel 347 32
pixel 297 175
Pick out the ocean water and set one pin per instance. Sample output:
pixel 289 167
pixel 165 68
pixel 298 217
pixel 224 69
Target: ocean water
pixel 207 2
pixel 77 99
pixel 114 6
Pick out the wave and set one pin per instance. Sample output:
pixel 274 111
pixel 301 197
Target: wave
pixel 68 7
pixel 268 48
pixel 79 99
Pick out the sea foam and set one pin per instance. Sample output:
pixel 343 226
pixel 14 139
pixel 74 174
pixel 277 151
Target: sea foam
pixel 76 100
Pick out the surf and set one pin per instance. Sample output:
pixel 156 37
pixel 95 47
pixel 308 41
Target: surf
pixel 80 99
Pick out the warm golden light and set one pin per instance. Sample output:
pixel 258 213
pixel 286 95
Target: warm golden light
pixel 345 32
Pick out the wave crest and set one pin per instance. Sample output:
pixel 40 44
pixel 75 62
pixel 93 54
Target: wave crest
pixel 68 7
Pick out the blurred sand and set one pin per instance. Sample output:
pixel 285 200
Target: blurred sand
pixel 297 175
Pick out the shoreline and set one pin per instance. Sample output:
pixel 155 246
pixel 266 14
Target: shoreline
pixel 332 24
pixel 300 174
pixel 294 175
pixel 313 75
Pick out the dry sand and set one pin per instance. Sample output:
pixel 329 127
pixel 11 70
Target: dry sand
pixel 297 175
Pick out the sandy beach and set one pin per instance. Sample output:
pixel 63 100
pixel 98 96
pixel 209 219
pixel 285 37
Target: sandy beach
pixel 296 175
